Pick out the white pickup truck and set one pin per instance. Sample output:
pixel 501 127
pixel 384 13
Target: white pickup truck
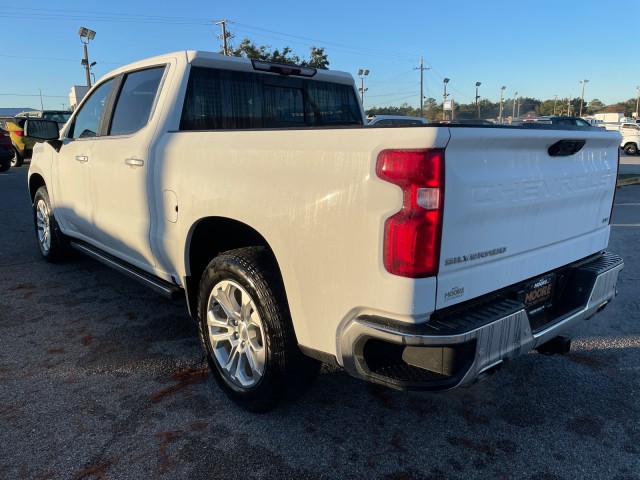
pixel 415 257
pixel 630 138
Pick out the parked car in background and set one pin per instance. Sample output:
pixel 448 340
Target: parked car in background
pixel 381 120
pixel 6 150
pixel 22 146
pixel 568 122
pixel 60 116
pixel 630 138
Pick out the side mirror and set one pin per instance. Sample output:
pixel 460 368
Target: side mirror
pixel 41 130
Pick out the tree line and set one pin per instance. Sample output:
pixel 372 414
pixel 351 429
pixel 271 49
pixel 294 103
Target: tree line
pixel 432 108
pixel 526 106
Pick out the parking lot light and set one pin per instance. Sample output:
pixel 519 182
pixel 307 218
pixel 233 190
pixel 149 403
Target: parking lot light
pixel 362 73
pixel 584 83
pixel 89 35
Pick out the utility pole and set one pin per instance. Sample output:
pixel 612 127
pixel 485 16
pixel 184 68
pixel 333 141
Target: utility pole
pixel 637 101
pixel 41 105
pixel 519 107
pixel 422 68
pixel 223 23
pixel 555 101
pixel 501 92
pixel 444 98
pixel 513 115
pixel 477 98
pixel 568 106
pixel 363 72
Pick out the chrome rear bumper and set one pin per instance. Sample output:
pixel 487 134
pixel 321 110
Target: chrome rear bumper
pixel 461 358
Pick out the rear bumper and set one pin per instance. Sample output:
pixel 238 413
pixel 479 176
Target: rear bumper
pixel 460 347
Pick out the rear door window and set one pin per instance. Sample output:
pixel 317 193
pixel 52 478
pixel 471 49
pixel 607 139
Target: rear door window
pixel 135 101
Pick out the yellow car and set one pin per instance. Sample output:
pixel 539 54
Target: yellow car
pixel 22 145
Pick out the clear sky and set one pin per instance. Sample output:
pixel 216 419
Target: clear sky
pixel 539 48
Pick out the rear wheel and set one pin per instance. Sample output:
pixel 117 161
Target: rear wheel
pixel 18 159
pixel 246 330
pixel 54 245
pixel 631 149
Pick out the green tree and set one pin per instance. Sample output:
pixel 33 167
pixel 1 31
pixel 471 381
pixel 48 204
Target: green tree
pixel 594 106
pixel 248 49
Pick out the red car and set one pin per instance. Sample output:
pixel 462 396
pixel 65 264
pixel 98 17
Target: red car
pixel 6 151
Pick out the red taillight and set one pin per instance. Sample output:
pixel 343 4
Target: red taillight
pixel 412 236
pixel 18 133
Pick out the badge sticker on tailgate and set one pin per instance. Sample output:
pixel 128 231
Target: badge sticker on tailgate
pixel 539 293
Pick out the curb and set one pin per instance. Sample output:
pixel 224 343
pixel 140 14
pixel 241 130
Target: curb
pixel 628 181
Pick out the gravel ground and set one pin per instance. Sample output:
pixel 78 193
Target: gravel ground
pixel 101 378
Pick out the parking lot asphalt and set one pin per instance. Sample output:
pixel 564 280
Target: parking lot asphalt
pixel 101 378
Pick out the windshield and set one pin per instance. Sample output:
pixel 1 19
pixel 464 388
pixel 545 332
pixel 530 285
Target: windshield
pixel 60 117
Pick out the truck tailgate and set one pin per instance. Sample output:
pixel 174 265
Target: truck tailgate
pixel 515 209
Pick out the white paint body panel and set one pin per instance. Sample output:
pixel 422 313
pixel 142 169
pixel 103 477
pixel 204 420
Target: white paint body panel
pixel 314 196
pixel 503 191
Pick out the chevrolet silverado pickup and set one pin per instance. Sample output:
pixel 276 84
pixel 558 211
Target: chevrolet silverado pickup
pixel 418 257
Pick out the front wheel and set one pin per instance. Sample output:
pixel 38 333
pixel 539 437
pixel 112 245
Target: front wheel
pixel 54 245
pixel 246 330
pixel 631 149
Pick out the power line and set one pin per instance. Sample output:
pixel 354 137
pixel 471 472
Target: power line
pixel 32 95
pixel 372 51
pixel 54 59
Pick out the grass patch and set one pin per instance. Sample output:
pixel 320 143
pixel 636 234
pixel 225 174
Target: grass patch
pixel 628 179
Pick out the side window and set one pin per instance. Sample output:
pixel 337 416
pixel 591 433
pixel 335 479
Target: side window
pixel 136 99
pixel 219 99
pixel 87 121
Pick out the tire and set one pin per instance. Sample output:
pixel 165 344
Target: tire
pixel 54 245
pixel 17 160
pixel 246 331
pixel 631 149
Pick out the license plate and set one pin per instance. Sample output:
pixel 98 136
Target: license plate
pixel 539 293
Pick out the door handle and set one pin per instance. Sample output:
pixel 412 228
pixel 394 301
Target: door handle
pixel 82 158
pixel 134 162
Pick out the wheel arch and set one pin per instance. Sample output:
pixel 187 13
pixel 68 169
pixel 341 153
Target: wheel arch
pixel 35 182
pixel 204 242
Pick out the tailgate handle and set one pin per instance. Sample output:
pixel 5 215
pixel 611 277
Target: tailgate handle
pixel 565 148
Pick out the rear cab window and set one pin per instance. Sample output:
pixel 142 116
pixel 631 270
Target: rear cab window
pixel 226 99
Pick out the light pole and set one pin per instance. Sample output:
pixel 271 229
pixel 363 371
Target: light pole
pixel 584 83
pixel 88 35
pixel 555 101
pixel 501 92
pixel 513 115
pixel 519 106
pixel 637 100
pixel 477 98
pixel 444 97
pixel 362 73
pixel 93 75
